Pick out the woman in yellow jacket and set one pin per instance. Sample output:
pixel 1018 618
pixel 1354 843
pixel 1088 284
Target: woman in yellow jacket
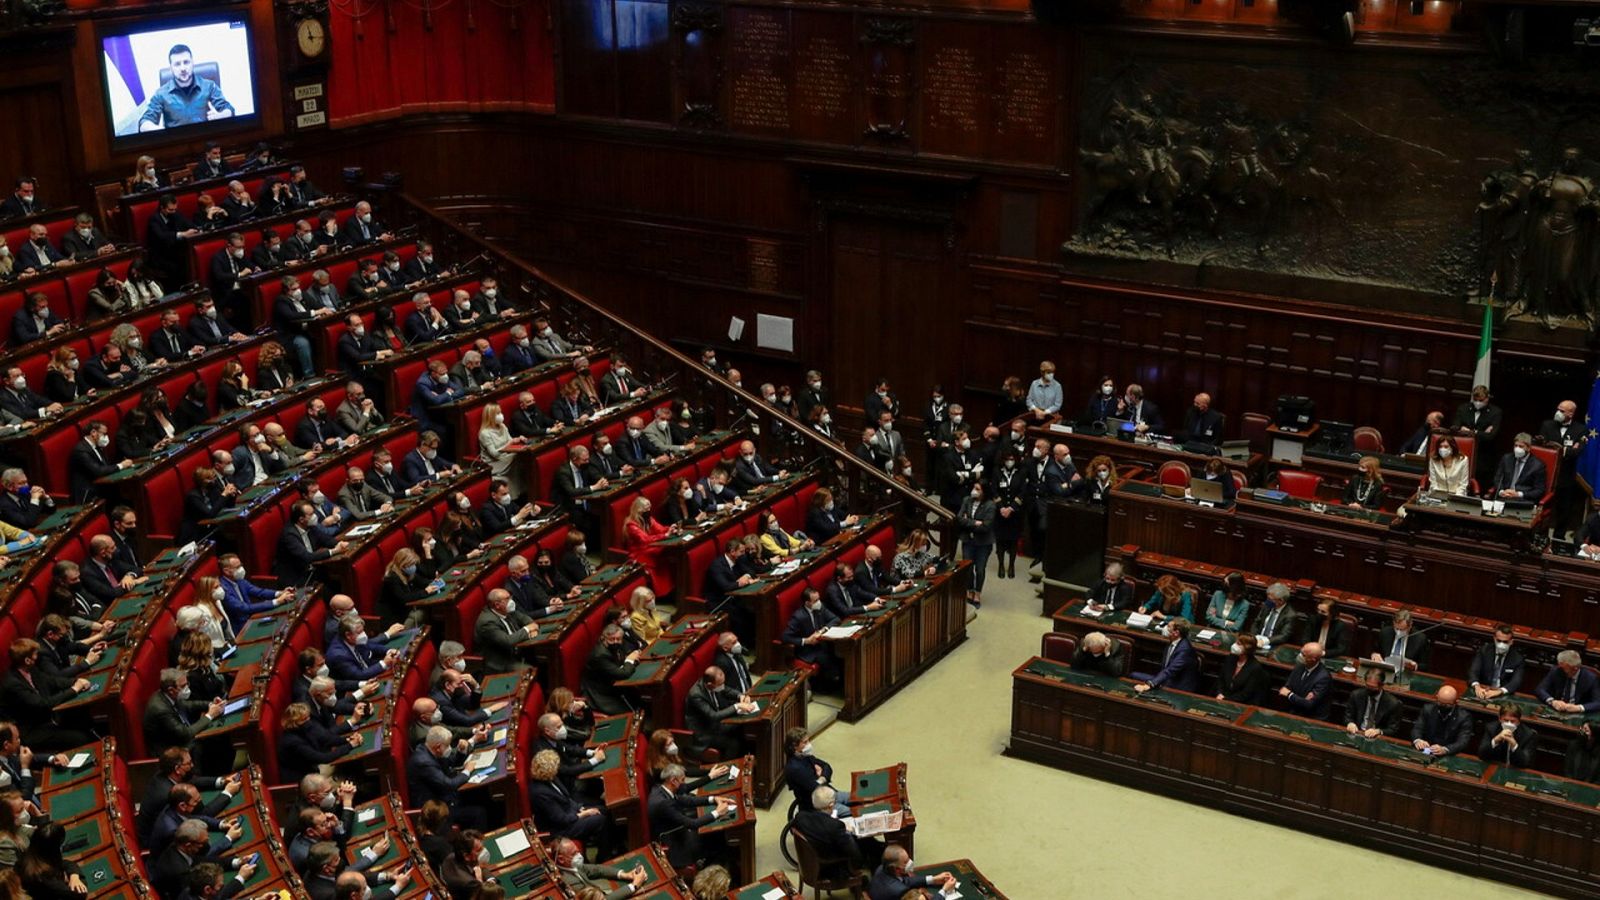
pixel 777 542
pixel 645 626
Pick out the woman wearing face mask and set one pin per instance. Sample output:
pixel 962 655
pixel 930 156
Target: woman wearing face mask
pixel 1229 608
pixel 1365 491
pixel 548 578
pixel 776 541
pixel 681 504
pixel 1242 679
pixel 663 751
pixel 821 421
pixel 208 596
pixel 142 285
pixel 46 874
pixel 641 533
pixel 1449 472
pixel 273 372
pixel 403 584
pixel 914 558
pixel 61 383
pixel 495 448
pixel 144 178
pixel 233 387
pixel 306 746
pixel 192 409
pixel 823 520
pixel 426 545
pixel 108 298
pixel 462 871
pixel 16 828
pixel 127 339
pixel 575 565
pixel 574 712
pixel 646 624
pixel 155 404
pixel 8 263
pixel 683 426
pixel 975 520
pixel 1216 470
pixel 1012 495
pixel 1101 478
pixel 460 535
pixel 1103 402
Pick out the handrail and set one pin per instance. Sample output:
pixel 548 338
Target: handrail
pixel 912 498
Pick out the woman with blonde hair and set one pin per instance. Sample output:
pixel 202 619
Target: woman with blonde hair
pixel 61 383
pixel 494 443
pixel 304 748
pixel 1365 491
pixel 641 533
pixel 208 596
pixel 1172 598
pixel 16 813
pixel 642 616
pixel 144 178
pixel 198 658
pixel 915 557
pixel 712 883
pixel 574 712
pixel 131 343
pixel 403 585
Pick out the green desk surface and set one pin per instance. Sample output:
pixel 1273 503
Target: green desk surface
pixel 234 807
pixel 872 785
pixel 772 682
pixel 629 860
pixel 1382 748
pixel 97 689
pixel 644 671
pixel 127 607
pixel 609 729
pixel 491 842
pixel 260 628
pixel 100 870
pixel 262 875
pixel 661 647
pixel 389 856
pixel 109 657
pixel 371 740
pixel 522 880
pixel 1217 709
pixel 600 576
pixel 500 687
pixel 612 761
pixel 369 819
pixel 717 786
pixel 1534 783
pixel 969 883
pixel 85 836
pixel 686 626
pixel 251 828
pixel 754 891
pixel 54 776
pixel 72 802
pixel 246 655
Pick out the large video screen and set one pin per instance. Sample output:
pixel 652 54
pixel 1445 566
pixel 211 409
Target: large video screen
pixel 166 76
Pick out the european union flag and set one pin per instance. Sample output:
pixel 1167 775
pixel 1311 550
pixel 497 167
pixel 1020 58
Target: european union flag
pixel 1589 460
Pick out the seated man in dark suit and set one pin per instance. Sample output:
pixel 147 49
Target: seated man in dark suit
pixel 1145 415
pixel 269 254
pixel 209 328
pixel 1570 687
pixel 20 400
pixel 894 879
pixel 357 347
pixel 498 631
pixel 1497 667
pixel 459 314
pixel 351 658
pixel 191 849
pixel 730 659
pixel 169 342
pixel 301 545
pixel 498 514
pixel 435 389
pixel 872 576
pixel 361 228
pixel 1372 711
pixel 841 854
pixel 620 385
pixel 723 576
pixel 319 429
pixel 1307 692
pixel 751 471
pixel 90 461
pixel 1443 728
pixel 844 597
pixel 804 633
pixel 706 710
pixel 24 201
pixel 518 355
pixel 579 874
pixel 1276 621
pixel 424 323
pixel 166 237
pixel 1400 640
pixel 29 699
pixel 1417 444
pixel 673 822
pixel 37 254
pixel 22 505
pixel 1180 668
pixel 575 758
pixel 606 666
pixel 529 421
pixel 35 320
pixel 434 772
pixel 1521 475
pixel 1202 423
pixel 85 241
pixel 171 719
pixel 1113 591
pixel 1509 742
pixel 175 766
pixel 1098 654
pixel 422 266
pixel 366 282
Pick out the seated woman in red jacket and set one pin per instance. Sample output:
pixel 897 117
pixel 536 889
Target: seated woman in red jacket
pixel 641 532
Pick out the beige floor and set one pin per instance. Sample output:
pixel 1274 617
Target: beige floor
pixel 1039 832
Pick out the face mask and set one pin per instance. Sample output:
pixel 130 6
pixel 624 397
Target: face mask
pixel 19 382
pixel 463 504
pixel 72 364
pixel 805 749
pixel 1105 390
pixel 322 671
pixel 236 252
pixel 491 293
pixel 85 233
pixel 1037 453
pixel 1446 453
pixel 886 427
pixel 977 495
pixel 577 860
pixel 1560 417
pixel 429 454
pixel 409 571
pixel 366 218
pixel 511 607
pixel 436 717
pixel 1010 464
pixel 606 450
pixel 361 639
pixel 386 468
pixel 634 432
pixel 966 445
pixel 1235 649
pixel 150 173
pixel 561 733
pixel 1103 474
pixel 329 801
pixel 1047 378
pixel 814 606
pixel 392 267
pixel 212 312
pixel 1508 726
pixel 328 700
pixel 1502 646
pixel 685 416
pixel 135 343
pixel 317 498
pixel 906 471
pixel 828 507
pixel 1479 404
pixel 184 693
pixel 103 440
pixel 216 595
pixel 296 296
pixel 1519 452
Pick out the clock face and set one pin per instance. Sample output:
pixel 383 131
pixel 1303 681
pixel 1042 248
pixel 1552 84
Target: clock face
pixel 312 38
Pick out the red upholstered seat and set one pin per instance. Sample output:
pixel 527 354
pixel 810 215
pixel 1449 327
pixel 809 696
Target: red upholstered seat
pixel 1297 483
pixel 1173 472
pixel 1551 459
pixel 1057 647
pixel 1368 439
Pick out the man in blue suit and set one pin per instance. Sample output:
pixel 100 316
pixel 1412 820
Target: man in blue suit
pixel 240 598
pixel 804 633
pixel 1569 687
pixel 434 389
pixel 424 464
pixel 518 354
pixel 1180 667
pixel 1306 693
pixel 348 657
pixel 434 773
pixel 894 880
pixel 35 320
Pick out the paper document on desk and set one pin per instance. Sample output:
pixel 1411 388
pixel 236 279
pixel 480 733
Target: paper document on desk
pixel 512 843
pixel 774 894
pixel 1206 634
pixel 840 632
pixel 1093 612
pixel 1139 620
pixel 367 815
pixel 874 823
pixel 363 530
pixel 78 760
pixel 480 760
pixel 950 893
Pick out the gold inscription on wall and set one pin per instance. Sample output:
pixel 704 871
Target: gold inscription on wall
pixel 760 91
pixel 763 265
pixel 1024 96
pixel 822 77
pixel 953 89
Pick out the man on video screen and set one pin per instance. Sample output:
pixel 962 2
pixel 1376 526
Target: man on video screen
pixel 185 100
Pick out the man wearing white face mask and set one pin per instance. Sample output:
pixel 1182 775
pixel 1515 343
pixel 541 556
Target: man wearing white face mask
pixel 350 658
pixel 1521 475
pixel 1478 418
pixel 499 629
pixel 362 228
pixel 330 518
pixel 92 459
pixel 892 879
pixel 818 821
pixel 576 759
pixel 1497 667
pixel 171 719
pixel 1566 434
pixel 579 874
pixel 489 301
pixel 85 241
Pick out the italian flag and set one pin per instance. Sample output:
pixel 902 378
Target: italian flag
pixel 1480 375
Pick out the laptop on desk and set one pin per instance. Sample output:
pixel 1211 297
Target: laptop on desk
pixel 1121 429
pixel 1207 491
pixel 1471 506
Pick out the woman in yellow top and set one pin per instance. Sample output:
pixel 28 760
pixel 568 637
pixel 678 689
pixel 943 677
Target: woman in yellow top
pixel 646 627
pixel 777 542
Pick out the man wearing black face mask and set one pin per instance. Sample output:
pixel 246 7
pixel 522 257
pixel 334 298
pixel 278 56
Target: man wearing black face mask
pixel 607 665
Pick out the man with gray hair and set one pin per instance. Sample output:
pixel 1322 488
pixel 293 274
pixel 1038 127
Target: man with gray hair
pixel 579 874
pixel 894 878
pixel 820 826
pixel 424 323
pixel 1113 592
pixel 470 372
pixel 22 504
pixel 171 719
pixel 1277 620
pixel 1570 687
pixel 1521 475
pixel 191 845
pixel 575 758
pixel 1098 654
pixel 673 819
pixel 434 772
